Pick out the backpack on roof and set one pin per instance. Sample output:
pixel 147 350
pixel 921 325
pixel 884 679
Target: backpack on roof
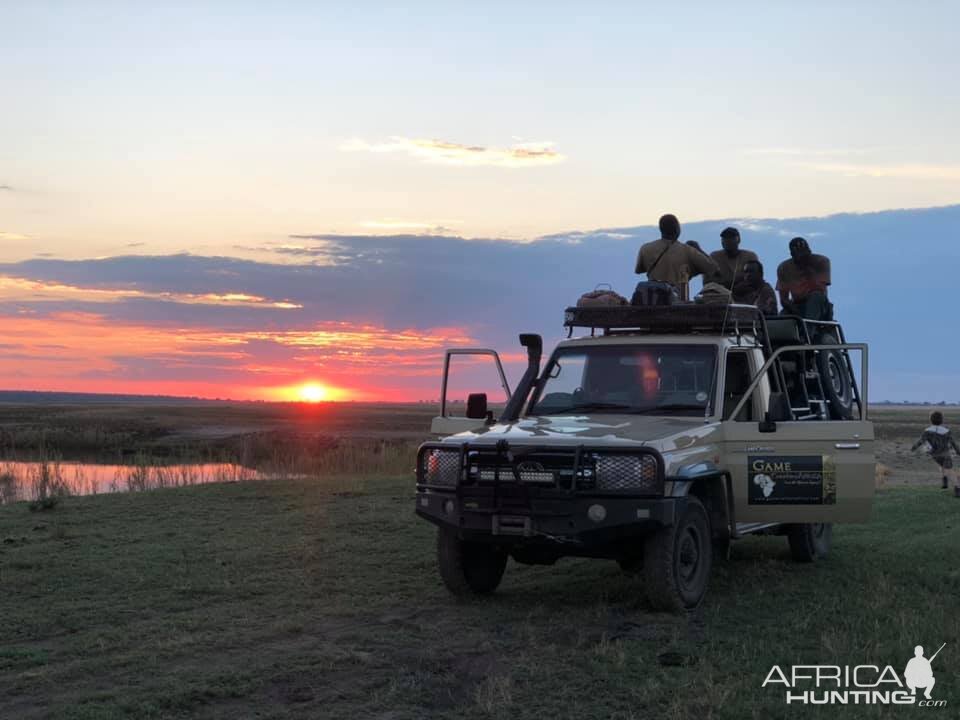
pixel 655 293
pixel 600 297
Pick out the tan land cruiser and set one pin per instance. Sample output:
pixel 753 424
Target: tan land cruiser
pixel 655 439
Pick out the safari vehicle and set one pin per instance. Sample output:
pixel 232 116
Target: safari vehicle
pixel 654 439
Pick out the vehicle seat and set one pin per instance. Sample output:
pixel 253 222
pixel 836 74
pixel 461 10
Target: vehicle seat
pixel 784 331
pixel 736 384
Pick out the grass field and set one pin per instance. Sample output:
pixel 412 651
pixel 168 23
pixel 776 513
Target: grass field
pixel 274 439
pixel 320 600
pixel 296 438
pixel 78 430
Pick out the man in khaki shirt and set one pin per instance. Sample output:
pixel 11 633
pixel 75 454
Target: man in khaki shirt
pixel 731 260
pixel 668 260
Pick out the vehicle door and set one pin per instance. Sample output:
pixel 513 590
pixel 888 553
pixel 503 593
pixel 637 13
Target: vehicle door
pixel 475 369
pixel 794 471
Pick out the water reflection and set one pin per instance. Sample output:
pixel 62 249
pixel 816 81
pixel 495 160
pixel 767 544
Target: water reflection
pixel 32 480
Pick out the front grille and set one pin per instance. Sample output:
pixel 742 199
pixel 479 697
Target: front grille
pixel 537 468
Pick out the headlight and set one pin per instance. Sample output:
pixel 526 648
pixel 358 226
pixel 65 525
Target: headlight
pixel 627 472
pixel 440 467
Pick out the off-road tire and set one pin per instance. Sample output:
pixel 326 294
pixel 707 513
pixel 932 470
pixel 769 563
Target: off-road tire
pixel 678 559
pixel 835 379
pixel 468 568
pixel 809 541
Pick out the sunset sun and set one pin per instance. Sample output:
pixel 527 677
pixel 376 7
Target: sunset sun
pixel 313 392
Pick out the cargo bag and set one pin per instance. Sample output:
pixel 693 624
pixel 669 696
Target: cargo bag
pixel 601 298
pixel 655 293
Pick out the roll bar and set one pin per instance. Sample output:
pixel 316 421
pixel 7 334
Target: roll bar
pixel 862 347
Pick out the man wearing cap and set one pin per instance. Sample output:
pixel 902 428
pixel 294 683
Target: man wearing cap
pixel 802 283
pixel 668 260
pixel 754 290
pixel 731 260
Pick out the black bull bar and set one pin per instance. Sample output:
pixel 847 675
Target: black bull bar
pixel 491 493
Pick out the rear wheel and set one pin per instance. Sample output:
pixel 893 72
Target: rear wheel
pixel 469 568
pixel 809 541
pixel 678 559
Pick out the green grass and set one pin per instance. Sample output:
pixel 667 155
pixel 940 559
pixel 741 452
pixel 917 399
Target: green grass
pixel 321 599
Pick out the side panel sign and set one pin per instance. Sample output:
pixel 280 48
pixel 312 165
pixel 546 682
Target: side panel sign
pixel 791 480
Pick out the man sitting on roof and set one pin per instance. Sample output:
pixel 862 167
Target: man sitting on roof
pixel 732 261
pixel 802 282
pixel 670 261
pixel 754 290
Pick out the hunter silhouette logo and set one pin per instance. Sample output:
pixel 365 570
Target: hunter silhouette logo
pixel 864 684
pixel 919 673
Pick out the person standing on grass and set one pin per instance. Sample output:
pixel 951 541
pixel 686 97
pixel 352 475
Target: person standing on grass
pixel 938 438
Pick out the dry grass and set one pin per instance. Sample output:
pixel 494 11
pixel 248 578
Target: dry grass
pixel 344 461
pixel 881 474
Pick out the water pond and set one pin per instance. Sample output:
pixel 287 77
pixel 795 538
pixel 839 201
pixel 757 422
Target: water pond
pixel 31 480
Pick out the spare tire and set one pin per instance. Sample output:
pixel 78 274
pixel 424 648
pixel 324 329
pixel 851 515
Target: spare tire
pixel 835 379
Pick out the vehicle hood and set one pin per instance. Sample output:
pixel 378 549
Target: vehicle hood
pixel 607 429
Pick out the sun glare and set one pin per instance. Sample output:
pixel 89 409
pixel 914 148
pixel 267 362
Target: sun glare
pixel 313 392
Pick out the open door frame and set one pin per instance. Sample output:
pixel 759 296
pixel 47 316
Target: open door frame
pixel 469 351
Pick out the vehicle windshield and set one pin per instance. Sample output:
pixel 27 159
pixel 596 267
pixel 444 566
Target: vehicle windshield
pixel 672 380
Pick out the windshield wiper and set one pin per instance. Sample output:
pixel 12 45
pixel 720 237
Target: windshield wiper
pixel 666 406
pixel 587 407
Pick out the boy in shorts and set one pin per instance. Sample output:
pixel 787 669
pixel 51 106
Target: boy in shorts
pixel 938 438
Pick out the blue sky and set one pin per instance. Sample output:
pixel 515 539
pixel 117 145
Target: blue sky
pixel 145 146
pixel 194 125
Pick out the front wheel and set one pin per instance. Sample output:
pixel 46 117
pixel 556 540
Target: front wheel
pixel 677 560
pixel 809 541
pixel 468 568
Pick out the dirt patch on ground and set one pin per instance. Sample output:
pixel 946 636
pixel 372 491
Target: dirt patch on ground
pixel 898 465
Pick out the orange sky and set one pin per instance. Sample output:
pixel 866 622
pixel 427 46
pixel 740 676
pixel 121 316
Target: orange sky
pixel 83 352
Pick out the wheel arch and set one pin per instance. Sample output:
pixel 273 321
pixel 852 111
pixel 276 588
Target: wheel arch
pixel 713 486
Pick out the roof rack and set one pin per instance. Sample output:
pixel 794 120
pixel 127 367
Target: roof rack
pixel 681 318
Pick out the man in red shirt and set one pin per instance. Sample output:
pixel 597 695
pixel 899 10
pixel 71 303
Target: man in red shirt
pixel 802 283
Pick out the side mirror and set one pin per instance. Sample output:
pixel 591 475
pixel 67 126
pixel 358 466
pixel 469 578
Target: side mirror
pixel 477 406
pixel 778 410
pixel 767 425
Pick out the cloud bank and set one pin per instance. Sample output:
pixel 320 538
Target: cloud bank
pixel 451 153
pixel 373 312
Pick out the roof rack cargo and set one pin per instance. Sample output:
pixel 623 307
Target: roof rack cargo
pixel 680 318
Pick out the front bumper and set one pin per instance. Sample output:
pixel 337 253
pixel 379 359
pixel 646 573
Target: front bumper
pixel 510 512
